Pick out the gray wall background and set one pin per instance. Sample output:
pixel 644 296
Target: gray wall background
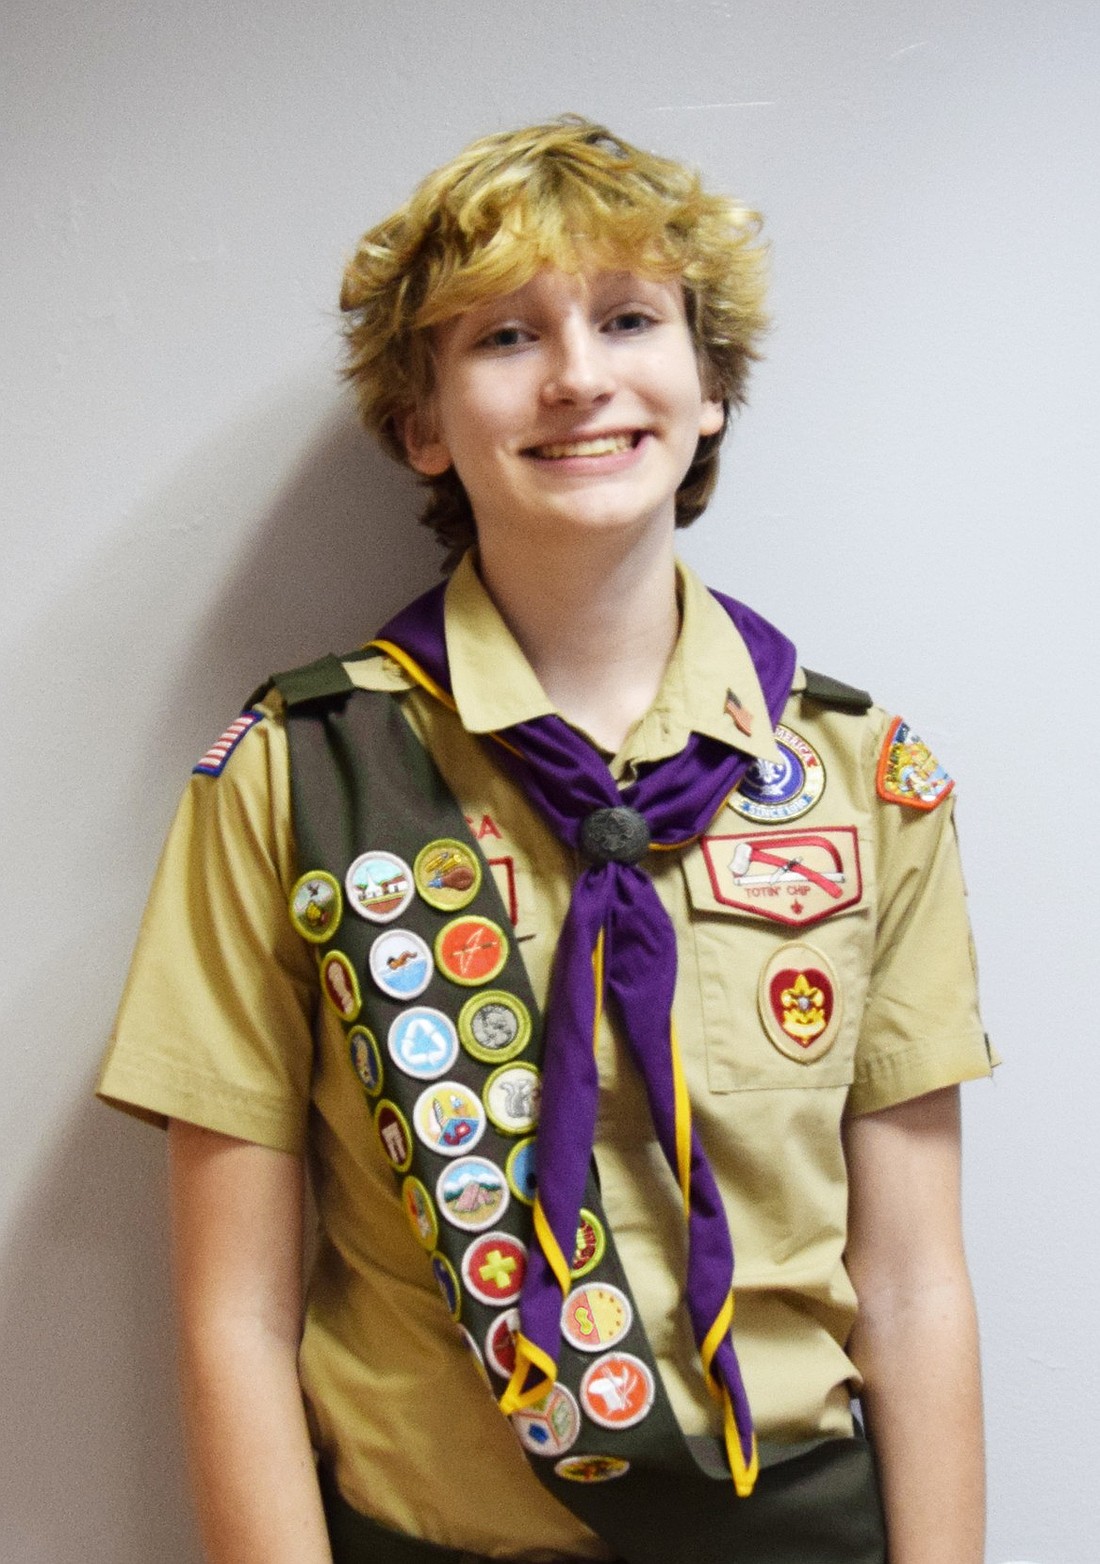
pixel 187 505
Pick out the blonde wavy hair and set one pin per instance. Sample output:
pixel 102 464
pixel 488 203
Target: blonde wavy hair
pixel 566 194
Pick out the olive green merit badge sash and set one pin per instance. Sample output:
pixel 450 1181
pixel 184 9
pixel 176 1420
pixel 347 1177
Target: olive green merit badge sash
pixel 417 957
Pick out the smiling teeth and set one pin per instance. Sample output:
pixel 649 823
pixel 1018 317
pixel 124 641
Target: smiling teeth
pixel 606 445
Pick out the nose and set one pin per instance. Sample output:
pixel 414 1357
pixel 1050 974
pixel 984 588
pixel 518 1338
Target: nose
pixel 578 370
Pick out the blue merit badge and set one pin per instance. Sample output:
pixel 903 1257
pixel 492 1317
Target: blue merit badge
pixel 213 763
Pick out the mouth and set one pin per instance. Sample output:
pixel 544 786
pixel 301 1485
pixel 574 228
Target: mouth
pixel 596 445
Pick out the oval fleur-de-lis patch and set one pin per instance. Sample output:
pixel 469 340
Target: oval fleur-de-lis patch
pixel 800 1002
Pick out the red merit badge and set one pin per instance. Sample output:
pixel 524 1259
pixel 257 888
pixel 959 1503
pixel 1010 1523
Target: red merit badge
pixel 471 950
pixel 799 1000
pixel 493 1268
pixel 793 877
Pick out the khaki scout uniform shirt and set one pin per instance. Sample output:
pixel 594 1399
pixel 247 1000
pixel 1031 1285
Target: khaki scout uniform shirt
pixel 217 1027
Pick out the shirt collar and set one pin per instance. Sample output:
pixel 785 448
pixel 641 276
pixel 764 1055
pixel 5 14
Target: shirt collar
pixel 493 684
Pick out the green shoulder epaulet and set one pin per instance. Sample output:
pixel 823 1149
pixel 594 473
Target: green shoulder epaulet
pixel 831 692
pixel 315 681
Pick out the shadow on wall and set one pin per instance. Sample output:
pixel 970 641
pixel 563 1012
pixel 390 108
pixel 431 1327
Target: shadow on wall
pixel 286 537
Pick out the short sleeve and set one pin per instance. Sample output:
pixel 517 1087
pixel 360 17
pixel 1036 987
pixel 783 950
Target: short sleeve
pixel 215 1024
pixel 921 1029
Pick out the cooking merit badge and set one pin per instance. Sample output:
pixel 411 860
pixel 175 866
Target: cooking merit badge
pixel 379 886
pixel 796 878
pixel 781 789
pixel 447 874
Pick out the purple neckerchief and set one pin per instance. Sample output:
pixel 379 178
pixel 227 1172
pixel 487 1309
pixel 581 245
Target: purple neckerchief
pixel 566 780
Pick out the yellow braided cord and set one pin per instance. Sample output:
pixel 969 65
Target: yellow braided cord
pixel 682 1107
pixel 744 1477
pixel 415 672
pixel 597 984
pixel 528 1356
pixel 551 1248
pixel 714 1339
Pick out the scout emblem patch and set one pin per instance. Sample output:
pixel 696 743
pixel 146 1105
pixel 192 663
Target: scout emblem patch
pixel 213 763
pixel 423 1042
pixel 316 904
pixel 794 878
pixel 617 1391
pixel 493 1268
pixel 908 772
pixel 379 886
pixel 471 950
pixel 366 1058
pixel 449 1118
pixel 799 1000
pixel 550 1426
pixel 401 964
pixel 472 1193
pixel 781 789
pixel 447 874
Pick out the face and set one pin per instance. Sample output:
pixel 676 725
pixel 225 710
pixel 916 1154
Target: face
pixel 574 403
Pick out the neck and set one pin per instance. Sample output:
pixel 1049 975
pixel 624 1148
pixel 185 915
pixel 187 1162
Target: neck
pixel 598 626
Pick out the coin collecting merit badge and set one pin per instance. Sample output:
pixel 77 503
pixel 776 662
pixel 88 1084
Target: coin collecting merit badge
pixel 366 1058
pixel 447 1282
pixel 592 1468
pixel 500 1343
pixel 379 886
pixel 393 1132
pixel 596 1316
pixel 795 878
pixel 449 1118
pixel 213 763
pixel 590 1245
pixel 519 1170
pixel 471 950
pixel 341 985
pixel 512 1098
pixel 550 1426
pixel 423 1042
pixel 472 1193
pixel 447 874
pixel 908 772
pixel 420 1212
pixel 494 1026
pixel 617 1391
pixel 781 789
pixel 799 1000
pixel 400 964
pixel 316 904
pixel 493 1268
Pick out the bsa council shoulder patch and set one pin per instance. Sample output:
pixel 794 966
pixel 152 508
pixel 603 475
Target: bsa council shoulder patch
pixel 908 772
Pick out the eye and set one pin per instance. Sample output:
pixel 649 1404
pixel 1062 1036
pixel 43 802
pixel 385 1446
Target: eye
pixel 629 321
pixel 507 336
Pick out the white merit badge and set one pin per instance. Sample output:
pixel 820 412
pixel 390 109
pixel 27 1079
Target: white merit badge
pixel 449 1118
pixel 781 789
pixel 472 1193
pixel 379 886
pixel 550 1426
pixel 423 1042
pixel 401 964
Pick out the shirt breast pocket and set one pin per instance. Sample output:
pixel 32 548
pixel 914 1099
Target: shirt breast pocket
pixel 783 940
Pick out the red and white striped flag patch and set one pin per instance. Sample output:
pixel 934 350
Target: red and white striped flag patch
pixel 213 762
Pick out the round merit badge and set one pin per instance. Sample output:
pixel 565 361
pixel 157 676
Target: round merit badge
pixel 315 906
pixel 420 1212
pixel 550 1426
pixel 447 874
pixel 379 886
pixel 493 1268
pixel 494 1026
pixel 422 1042
pixel 512 1098
pixel 785 788
pixel 447 1282
pixel 401 964
pixel 472 1193
pixel 393 1132
pixel 519 1170
pixel 341 985
pixel 617 1391
pixel 471 950
pixel 592 1468
pixel 500 1343
pixel 596 1316
pixel 590 1246
pixel 799 1001
pixel 366 1058
pixel 449 1118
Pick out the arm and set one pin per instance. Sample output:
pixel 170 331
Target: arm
pixel 916 1338
pixel 237 1247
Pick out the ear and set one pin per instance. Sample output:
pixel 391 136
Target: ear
pixel 712 417
pixel 426 451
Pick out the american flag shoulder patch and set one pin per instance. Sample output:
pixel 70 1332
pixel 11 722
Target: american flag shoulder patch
pixel 213 763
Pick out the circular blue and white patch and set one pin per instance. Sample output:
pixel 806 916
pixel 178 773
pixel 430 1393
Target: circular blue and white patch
pixel 379 886
pixel 781 789
pixel 401 964
pixel 423 1043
